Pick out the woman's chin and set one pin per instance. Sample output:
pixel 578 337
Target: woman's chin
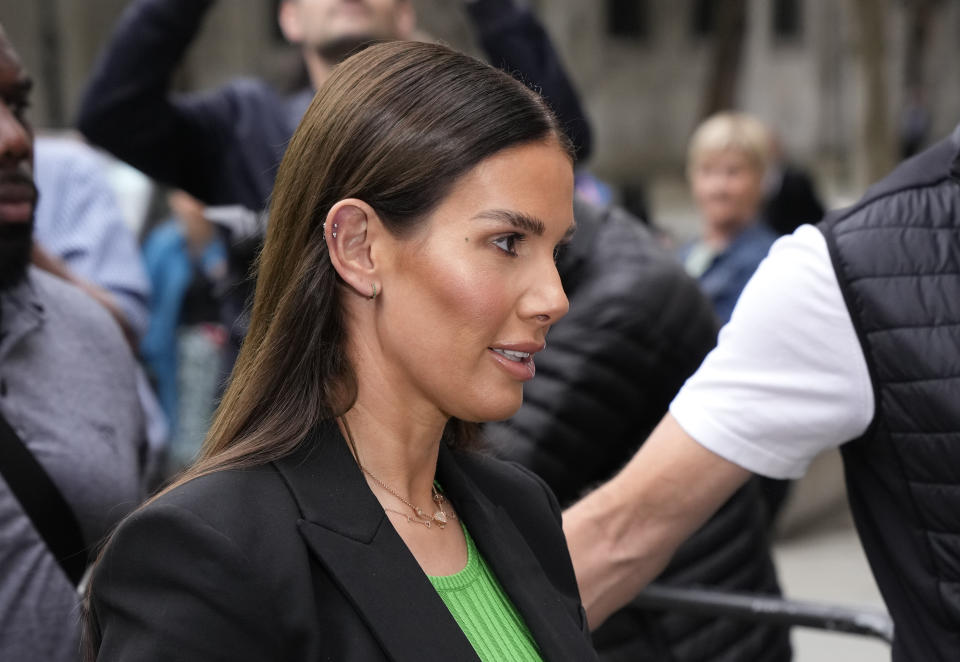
pixel 499 410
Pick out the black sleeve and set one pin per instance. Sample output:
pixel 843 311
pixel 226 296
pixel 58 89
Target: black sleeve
pixel 515 41
pixel 128 109
pixel 172 587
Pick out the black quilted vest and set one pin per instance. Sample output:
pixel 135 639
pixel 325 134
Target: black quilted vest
pixel 897 257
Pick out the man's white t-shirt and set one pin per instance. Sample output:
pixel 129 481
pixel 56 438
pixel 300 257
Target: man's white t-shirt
pixel 788 378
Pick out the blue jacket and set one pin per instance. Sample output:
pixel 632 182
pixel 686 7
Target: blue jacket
pixel 171 271
pixel 727 275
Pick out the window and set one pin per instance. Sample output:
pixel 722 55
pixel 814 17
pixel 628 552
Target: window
pixel 787 19
pixel 628 19
pixel 703 21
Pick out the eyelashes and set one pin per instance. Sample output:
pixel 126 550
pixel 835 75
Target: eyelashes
pixel 509 243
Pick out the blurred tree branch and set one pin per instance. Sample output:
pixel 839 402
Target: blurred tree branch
pixel 50 55
pixel 876 135
pixel 730 26
pixel 919 20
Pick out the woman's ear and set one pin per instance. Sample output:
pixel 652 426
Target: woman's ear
pixel 351 228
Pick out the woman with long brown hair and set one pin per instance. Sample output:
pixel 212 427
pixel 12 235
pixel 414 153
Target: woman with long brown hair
pixel 406 283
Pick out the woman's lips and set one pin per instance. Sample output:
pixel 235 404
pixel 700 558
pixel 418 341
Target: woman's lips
pixel 518 363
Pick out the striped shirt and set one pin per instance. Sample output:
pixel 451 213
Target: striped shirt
pixel 78 220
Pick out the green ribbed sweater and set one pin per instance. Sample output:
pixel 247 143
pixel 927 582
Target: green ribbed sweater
pixel 484 612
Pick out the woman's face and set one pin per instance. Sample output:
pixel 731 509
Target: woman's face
pixel 468 299
pixel 727 187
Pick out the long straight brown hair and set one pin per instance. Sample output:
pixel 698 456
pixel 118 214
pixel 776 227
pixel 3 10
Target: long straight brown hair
pixel 395 126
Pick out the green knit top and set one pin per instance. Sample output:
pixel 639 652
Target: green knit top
pixel 484 612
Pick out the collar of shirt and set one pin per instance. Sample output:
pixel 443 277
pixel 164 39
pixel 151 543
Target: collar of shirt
pixel 21 311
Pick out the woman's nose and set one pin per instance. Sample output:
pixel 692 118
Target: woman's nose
pixel 545 300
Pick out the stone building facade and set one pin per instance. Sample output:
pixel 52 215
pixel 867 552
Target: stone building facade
pixel 642 81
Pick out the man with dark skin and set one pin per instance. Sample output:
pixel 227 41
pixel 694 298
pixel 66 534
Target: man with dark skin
pixel 67 395
pixel 18 195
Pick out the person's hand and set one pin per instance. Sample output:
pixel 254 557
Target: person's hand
pixel 190 214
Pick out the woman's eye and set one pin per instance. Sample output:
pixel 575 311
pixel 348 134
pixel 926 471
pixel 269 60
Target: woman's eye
pixel 508 243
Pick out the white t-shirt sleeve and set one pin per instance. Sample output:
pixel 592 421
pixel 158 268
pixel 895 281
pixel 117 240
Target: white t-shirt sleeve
pixel 788 377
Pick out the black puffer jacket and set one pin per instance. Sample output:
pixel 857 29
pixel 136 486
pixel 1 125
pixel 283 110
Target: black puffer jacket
pixel 637 328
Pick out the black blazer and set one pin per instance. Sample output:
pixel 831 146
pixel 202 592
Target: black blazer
pixel 296 560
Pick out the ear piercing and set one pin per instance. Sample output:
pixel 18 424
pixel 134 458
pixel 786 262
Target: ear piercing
pixel 374 294
pixel 334 230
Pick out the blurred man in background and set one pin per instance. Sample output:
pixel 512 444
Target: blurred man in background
pixel 71 428
pixel 223 146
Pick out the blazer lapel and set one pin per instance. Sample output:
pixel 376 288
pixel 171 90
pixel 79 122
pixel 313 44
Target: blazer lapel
pixel 515 566
pixel 345 527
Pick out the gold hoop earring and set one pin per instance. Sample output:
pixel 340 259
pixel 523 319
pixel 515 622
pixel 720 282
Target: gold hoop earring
pixel 374 294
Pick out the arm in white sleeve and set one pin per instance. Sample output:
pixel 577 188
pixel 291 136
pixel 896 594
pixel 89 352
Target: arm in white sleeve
pixel 788 377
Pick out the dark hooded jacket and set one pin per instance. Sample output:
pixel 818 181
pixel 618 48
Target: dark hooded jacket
pixel 638 326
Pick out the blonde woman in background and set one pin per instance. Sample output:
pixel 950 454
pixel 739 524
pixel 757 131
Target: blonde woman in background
pixel 726 165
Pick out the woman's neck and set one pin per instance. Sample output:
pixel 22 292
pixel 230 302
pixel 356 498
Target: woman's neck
pixel 396 434
pixel 394 444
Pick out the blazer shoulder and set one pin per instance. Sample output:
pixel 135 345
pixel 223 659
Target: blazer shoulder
pixel 508 484
pixel 181 579
pixel 236 502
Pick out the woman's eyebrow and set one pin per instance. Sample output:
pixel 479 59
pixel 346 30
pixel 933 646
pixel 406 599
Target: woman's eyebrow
pixel 519 220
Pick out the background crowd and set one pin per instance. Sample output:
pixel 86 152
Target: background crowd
pixel 155 161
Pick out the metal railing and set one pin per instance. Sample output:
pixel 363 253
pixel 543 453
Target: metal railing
pixel 767 609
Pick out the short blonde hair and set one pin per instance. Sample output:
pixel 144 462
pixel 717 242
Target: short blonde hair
pixel 735 131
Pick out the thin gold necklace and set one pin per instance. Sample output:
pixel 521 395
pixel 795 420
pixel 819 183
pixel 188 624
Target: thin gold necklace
pixel 440 517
